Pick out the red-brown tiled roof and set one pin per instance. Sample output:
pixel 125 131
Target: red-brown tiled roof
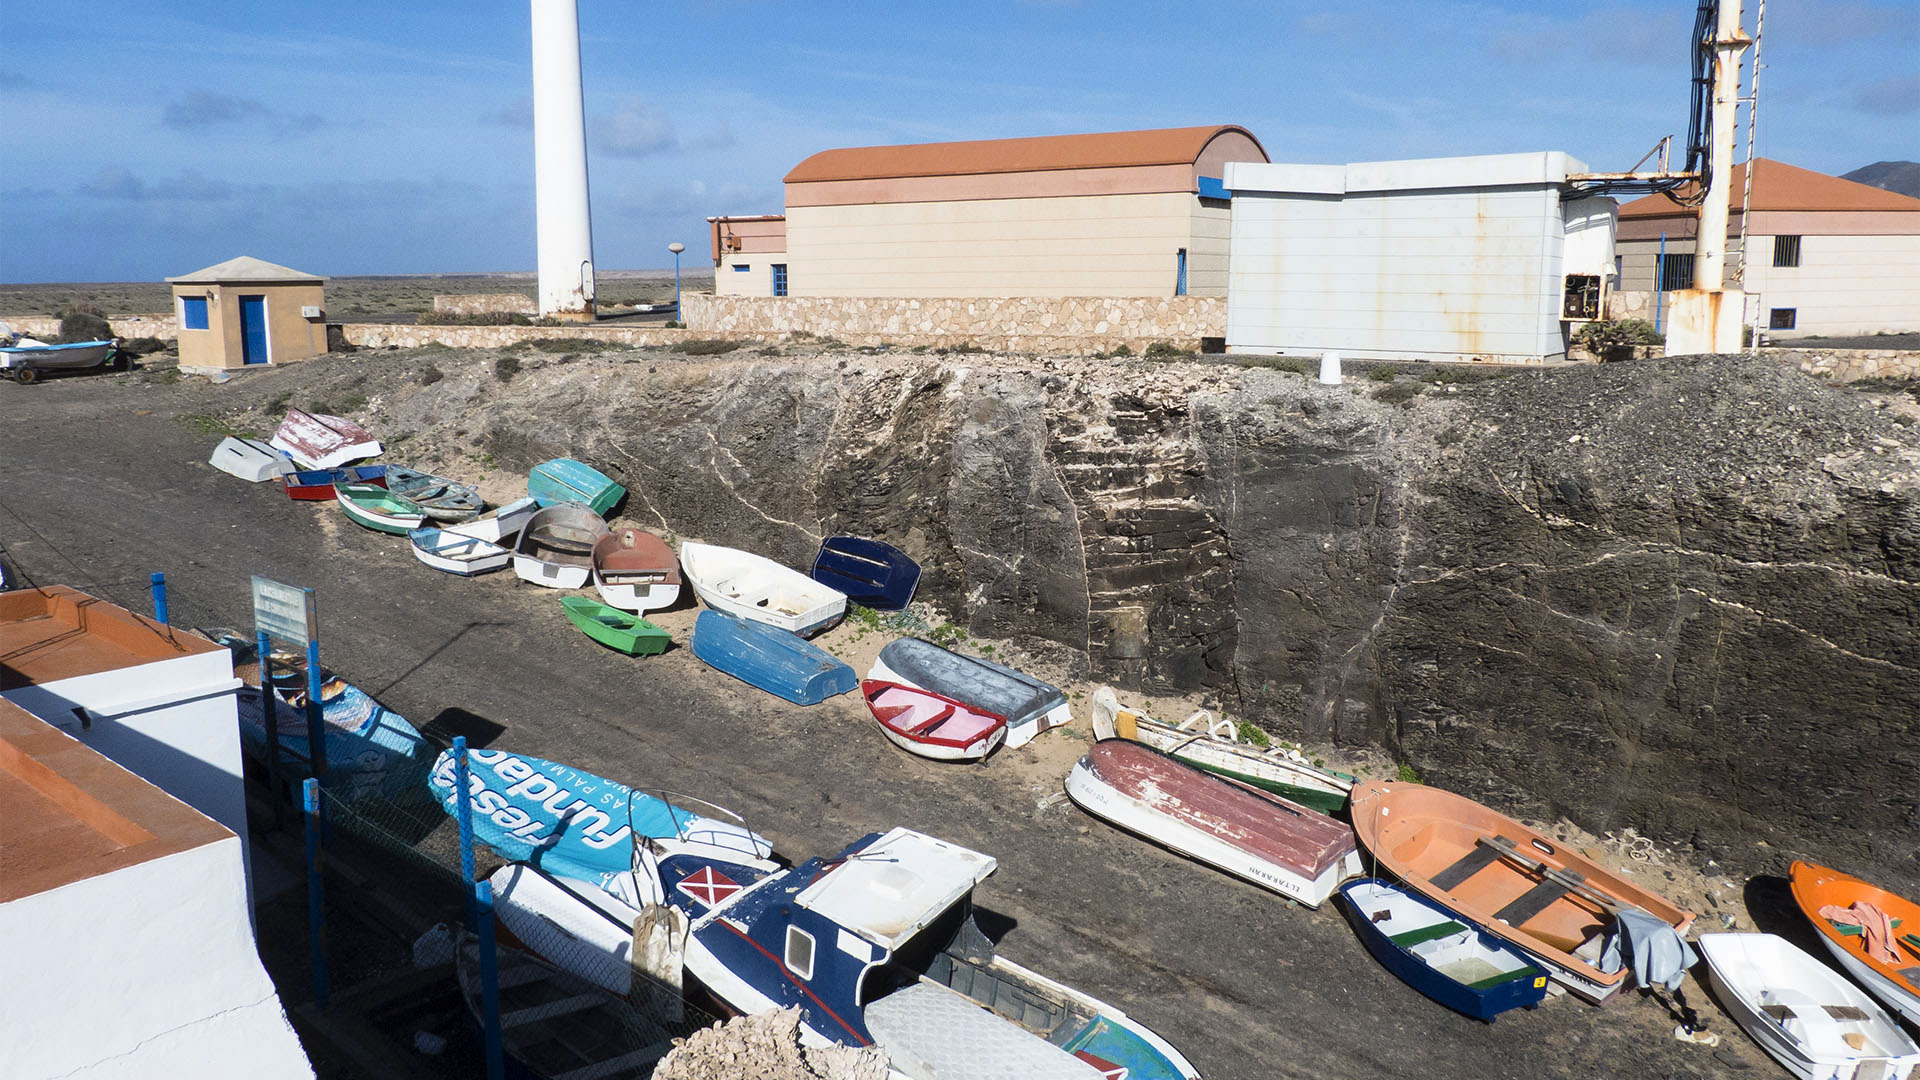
pixel 1779 186
pixel 1113 149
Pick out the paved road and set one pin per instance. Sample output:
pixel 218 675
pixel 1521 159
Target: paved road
pixel 100 485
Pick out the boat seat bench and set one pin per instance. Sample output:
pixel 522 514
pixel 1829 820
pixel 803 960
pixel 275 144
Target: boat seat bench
pixel 1410 938
pixel 1482 856
pixel 1502 979
pixel 1533 901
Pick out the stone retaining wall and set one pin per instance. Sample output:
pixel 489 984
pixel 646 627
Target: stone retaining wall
pixel 45 327
pixel 486 304
pixel 405 336
pixel 1016 324
pixel 1846 365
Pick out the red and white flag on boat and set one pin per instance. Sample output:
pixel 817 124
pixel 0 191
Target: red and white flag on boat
pixel 709 886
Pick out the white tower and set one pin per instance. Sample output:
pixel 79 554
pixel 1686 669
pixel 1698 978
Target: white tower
pixel 1708 317
pixel 565 233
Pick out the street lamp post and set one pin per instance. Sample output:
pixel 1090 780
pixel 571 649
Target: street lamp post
pixel 676 247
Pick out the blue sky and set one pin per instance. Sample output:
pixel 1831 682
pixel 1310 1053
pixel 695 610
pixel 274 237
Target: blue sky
pixel 145 139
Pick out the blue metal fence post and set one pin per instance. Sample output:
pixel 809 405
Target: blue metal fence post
pixel 465 816
pixel 160 597
pixel 316 901
pixel 489 981
pixel 316 723
pixel 263 645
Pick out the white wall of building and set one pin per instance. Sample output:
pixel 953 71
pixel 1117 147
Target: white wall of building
pixel 1843 285
pixel 1456 258
pixel 148 971
pixel 172 722
pixel 747 273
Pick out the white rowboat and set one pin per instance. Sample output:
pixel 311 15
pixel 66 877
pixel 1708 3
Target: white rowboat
pixel 757 588
pixel 472 547
pixel 1817 1024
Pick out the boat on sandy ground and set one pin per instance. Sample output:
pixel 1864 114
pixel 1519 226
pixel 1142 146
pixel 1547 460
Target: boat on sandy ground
pixel 1458 965
pixel 472 547
pixel 377 508
pixel 1029 705
pixel 556 547
pixel 1549 900
pixel 1215 745
pixel 27 358
pixel 757 588
pixel 1249 833
pixel 441 498
pixel 371 750
pixel 875 946
pixel 1813 1021
pixel 554 1025
pixel 925 723
pixel 622 631
pixel 778 661
pixel 635 570
pixel 872 573
pixel 250 459
pixel 566 480
pixel 316 485
pixel 318 441
pixel 1843 910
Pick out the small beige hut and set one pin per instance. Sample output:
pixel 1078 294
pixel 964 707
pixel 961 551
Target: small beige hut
pixel 246 311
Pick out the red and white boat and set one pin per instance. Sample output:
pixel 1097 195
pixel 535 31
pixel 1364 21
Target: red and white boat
pixel 932 725
pixel 1299 853
pixel 318 441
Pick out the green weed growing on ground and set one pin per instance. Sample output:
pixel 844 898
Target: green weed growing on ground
pixel 1407 774
pixel 1253 735
pixel 506 367
pixel 208 424
pixel 705 346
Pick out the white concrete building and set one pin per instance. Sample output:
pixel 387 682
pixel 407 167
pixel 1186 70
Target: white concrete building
pixel 1826 256
pixel 749 255
pixel 125 943
pixel 159 701
pixel 1468 258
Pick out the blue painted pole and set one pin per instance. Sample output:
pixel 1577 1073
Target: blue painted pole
pixel 160 597
pixel 676 286
pixel 465 816
pixel 1659 282
pixel 316 724
pixel 489 982
pixel 263 646
pixel 316 901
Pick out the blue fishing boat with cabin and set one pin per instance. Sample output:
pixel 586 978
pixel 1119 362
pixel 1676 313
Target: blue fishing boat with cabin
pixel 1432 950
pixel 873 573
pixel 566 480
pixel 775 660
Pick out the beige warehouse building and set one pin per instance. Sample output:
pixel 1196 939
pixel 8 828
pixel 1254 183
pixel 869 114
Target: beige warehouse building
pixel 1119 214
pixel 247 311
pixel 1826 256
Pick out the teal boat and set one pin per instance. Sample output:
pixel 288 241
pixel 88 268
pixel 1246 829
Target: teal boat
pixel 616 629
pixel 375 507
pixel 566 480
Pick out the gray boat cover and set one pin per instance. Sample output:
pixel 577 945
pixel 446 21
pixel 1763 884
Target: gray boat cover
pixel 970 680
pixel 1657 953
pixel 932 1033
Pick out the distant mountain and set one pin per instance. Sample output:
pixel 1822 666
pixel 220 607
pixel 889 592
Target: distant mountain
pixel 1898 176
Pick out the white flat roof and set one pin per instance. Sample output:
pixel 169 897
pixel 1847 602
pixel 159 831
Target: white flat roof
pixel 1486 170
pixel 892 888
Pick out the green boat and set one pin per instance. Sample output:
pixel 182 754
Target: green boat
pixel 1212 746
pixel 377 508
pixel 614 628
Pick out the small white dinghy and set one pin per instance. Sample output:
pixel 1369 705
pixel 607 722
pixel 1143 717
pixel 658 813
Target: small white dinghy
pixel 1813 1021
pixel 473 547
pixel 250 459
pixel 753 587
pixel 556 547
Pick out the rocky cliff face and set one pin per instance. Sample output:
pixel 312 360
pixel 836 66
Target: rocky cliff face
pixel 1681 595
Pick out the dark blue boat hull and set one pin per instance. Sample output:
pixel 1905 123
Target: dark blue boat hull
pixel 873 574
pixel 1481 1004
pixel 775 660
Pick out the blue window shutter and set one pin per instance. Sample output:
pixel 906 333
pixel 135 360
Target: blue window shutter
pixel 193 313
pixel 1180 281
pixel 1212 188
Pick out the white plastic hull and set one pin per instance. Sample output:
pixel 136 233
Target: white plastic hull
pixel 971 752
pixel 551 575
pixel 249 459
pixel 638 598
pixel 1895 995
pixel 1748 971
pixel 487 558
pixel 1101 800
pixel 751 587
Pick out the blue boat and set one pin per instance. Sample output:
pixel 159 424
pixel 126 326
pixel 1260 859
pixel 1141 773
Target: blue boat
pixel 872 573
pixel 370 749
pixel 775 660
pixel 1432 950
pixel 314 485
pixel 566 480
pixel 572 823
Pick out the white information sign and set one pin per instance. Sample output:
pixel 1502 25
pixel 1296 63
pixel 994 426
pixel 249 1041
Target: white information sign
pixel 284 612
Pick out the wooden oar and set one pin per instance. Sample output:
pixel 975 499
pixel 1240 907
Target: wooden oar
pixel 1573 884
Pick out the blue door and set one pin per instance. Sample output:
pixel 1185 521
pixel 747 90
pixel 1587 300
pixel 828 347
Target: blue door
pixel 253 329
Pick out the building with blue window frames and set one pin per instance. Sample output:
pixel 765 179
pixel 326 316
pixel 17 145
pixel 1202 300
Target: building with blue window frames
pixel 246 312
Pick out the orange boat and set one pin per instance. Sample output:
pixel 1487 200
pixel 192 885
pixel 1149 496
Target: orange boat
pixel 1521 886
pixel 1895 981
